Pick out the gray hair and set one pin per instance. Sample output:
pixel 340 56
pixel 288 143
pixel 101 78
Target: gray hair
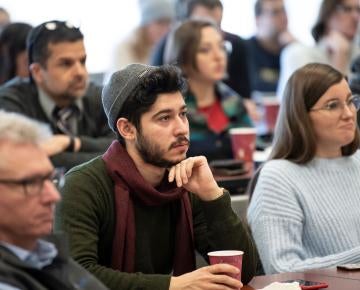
pixel 17 128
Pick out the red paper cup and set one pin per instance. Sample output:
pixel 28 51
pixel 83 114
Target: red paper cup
pixel 228 257
pixel 271 110
pixel 243 143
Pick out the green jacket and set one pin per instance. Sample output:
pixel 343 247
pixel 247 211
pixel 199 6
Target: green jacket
pixel 87 214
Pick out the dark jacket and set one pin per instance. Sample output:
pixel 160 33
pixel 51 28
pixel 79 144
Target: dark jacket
pixel 264 67
pixel 21 96
pixel 62 274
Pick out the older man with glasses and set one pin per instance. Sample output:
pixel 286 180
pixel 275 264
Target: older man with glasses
pixel 27 200
pixel 59 94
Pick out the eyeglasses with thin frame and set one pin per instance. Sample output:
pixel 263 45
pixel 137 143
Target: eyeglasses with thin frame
pixel 337 106
pixel 34 186
pixel 348 8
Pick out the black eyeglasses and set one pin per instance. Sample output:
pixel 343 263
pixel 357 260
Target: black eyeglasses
pixel 34 186
pixel 337 106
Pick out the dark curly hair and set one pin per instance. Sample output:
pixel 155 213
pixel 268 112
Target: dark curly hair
pixel 164 79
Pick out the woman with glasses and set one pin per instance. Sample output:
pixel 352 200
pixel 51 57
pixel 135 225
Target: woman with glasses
pixel 213 107
pixel 304 212
pixel 334 33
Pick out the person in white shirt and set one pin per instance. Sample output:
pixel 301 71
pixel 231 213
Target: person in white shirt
pixel 333 32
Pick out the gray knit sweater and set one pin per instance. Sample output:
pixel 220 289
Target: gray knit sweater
pixel 307 216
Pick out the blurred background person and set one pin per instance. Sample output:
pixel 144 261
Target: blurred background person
pixel 4 18
pixel 304 212
pixel 354 80
pixel 237 74
pixel 333 32
pixel 264 48
pixel 213 107
pixel 13 55
pixel 156 17
pixel 58 93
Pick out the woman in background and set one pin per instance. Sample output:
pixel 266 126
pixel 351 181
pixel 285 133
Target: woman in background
pixel 213 107
pixel 156 17
pixel 13 55
pixel 304 212
pixel 334 33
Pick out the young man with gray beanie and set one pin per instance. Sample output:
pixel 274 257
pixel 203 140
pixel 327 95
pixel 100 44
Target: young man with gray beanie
pixel 136 215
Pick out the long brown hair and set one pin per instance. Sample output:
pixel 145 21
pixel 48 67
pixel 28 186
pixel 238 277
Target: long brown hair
pixel 294 137
pixel 186 41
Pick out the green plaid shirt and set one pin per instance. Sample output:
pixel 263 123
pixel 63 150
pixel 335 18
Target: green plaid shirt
pixel 207 142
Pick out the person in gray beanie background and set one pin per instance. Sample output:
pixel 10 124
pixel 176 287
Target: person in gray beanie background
pixel 156 18
pixel 136 215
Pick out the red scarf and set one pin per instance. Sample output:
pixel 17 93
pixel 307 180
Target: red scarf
pixel 130 187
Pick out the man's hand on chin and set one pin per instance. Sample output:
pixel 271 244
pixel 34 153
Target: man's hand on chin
pixel 194 174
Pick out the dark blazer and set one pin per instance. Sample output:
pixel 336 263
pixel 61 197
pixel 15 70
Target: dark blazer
pixel 62 274
pixel 21 96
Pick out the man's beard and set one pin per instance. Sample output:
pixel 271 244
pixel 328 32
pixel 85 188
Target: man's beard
pixel 68 95
pixel 152 153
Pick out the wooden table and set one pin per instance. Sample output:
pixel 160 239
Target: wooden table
pixel 334 272
pixel 337 279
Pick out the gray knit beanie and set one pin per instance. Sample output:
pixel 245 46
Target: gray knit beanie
pixel 153 10
pixel 120 87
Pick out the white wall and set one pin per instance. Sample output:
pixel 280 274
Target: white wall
pixel 239 17
pixel 105 22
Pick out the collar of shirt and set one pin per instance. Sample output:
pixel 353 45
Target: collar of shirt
pixel 49 105
pixel 43 254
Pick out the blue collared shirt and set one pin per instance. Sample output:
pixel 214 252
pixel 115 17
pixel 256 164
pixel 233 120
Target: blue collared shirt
pixel 42 256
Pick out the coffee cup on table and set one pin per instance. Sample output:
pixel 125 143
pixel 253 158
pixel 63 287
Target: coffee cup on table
pixel 271 110
pixel 243 141
pixel 232 257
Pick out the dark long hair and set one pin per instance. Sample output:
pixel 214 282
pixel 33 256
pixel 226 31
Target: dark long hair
pixel 12 43
pixel 327 8
pixel 163 79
